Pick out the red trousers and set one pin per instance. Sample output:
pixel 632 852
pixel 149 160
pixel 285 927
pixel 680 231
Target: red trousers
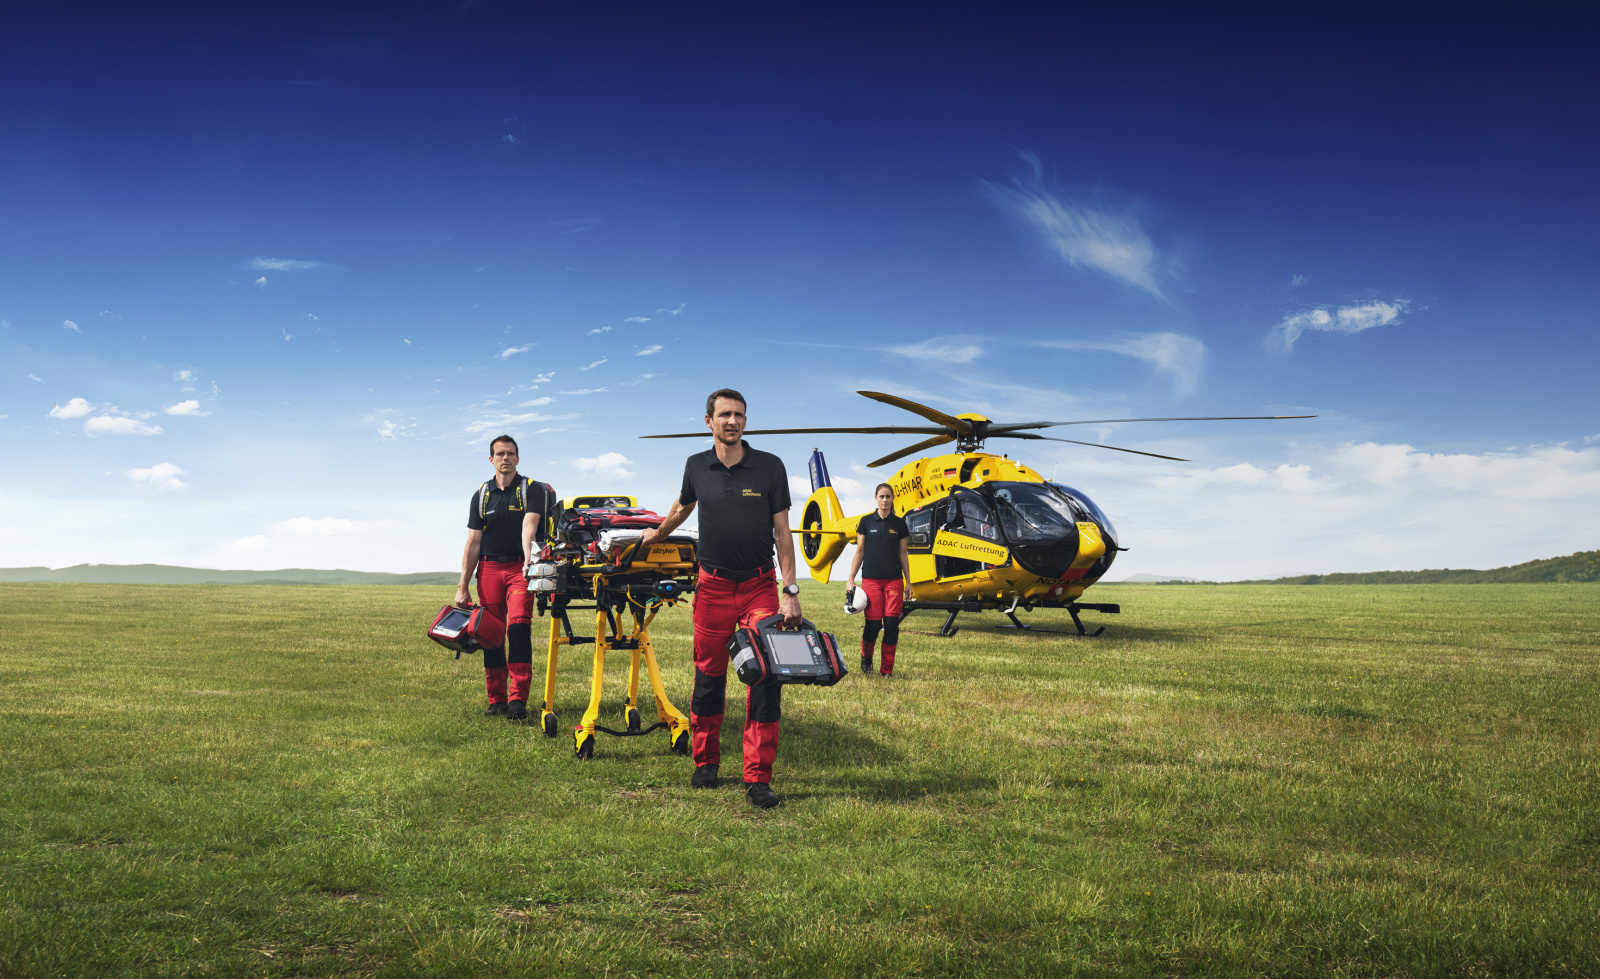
pixel 503 592
pixel 720 606
pixel 885 605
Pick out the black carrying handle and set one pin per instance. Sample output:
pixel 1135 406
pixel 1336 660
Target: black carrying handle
pixel 776 620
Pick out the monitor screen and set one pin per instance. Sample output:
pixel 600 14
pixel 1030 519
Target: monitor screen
pixel 791 649
pixel 452 624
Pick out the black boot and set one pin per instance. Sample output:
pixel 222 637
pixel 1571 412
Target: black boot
pixel 761 795
pixel 495 710
pixel 704 777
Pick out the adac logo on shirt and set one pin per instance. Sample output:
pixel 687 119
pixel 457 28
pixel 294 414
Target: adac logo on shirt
pixel 751 492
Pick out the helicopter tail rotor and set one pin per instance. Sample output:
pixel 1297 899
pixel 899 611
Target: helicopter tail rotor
pixel 824 529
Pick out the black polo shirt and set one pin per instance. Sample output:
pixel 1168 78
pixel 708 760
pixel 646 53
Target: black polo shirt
pixel 880 552
pixel 736 506
pixel 500 517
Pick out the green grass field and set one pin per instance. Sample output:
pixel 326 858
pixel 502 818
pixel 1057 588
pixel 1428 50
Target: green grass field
pixel 1232 781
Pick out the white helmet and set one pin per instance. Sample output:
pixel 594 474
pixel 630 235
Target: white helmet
pixel 855 601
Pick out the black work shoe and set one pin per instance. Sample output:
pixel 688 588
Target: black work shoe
pixel 866 666
pixel 517 711
pixel 495 710
pixel 761 795
pixel 704 777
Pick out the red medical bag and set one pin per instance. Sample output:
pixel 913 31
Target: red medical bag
pixel 466 630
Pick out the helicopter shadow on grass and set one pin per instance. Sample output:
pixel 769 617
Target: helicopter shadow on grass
pixel 972 624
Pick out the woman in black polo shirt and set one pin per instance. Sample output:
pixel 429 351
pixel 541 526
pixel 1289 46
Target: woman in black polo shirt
pixel 881 558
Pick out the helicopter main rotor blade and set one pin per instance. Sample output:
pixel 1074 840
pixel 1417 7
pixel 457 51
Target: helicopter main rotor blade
pixel 959 426
pixel 926 444
pixel 1018 426
pixel 885 430
pixel 1097 445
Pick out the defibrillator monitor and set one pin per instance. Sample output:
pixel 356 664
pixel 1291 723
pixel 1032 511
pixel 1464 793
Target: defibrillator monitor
pixel 794 649
pixel 453 622
pixel 466 630
pixel 767 653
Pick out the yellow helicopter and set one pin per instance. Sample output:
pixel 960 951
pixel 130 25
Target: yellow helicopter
pixel 987 533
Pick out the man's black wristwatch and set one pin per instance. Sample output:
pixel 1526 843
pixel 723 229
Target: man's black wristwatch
pixel 792 590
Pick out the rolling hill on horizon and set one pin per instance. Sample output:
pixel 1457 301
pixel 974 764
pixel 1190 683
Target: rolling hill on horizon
pixel 166 574
pixel 1582 566
pixel 1578 567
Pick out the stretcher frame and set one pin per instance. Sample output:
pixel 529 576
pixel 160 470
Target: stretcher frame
pixel 625 596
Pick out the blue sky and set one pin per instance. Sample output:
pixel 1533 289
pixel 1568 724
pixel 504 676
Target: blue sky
pixel 269 283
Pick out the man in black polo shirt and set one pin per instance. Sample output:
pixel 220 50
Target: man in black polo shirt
pixel 501 524
pixel 743 495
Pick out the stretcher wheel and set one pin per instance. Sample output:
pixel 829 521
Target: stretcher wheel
pixel 549 725
pixel 585 750
pixel 680 743
pixel 635 721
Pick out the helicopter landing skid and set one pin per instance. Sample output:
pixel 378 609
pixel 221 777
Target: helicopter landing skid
pixel 953 609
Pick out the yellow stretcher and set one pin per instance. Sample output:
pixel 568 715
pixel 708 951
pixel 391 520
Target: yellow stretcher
pixel 626 588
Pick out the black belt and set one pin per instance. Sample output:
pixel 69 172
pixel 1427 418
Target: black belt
pixel 503 558
pixel 735 576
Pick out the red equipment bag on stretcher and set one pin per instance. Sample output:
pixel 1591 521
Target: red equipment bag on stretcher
pixel 768 653
pixel 467 630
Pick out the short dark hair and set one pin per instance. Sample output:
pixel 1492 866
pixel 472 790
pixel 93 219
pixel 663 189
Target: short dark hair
pixel 729 393
pixel 504 438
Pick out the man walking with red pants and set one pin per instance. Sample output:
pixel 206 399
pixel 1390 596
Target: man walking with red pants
pixel 501 525
pixel 743 495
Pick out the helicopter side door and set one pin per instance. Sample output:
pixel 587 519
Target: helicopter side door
pixel 969 515
pixel 919 543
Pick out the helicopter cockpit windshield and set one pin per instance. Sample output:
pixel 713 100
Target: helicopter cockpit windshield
pixel 1088 506
pixel 1032 513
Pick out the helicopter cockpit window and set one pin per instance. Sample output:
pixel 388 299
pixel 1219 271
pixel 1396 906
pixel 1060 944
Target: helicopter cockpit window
pixel 974 517
pixel 919 524
pixel 1087 506
pixel 1032 513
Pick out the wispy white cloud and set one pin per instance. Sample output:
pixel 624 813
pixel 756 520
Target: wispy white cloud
pixel 503 421
pixel 69 325
pixel 606 466
pixel 76 408
pixel 510 140
pixel 185 379
pixel 1105 241
pixel 118 425
pixel 162 476
pixel 1297 280
pixel 262 282
pixel 574 225
pixel 536 402
pixel 1343 319
pixel 587 391
pixel 675 311
pixel 35 377
pixel 654 348
pixel 950 350
pixel 190 408
pixel 593 365
pixel 1179 357
pixel 1408 508
pixel 636 319
pixel 543 378
pixel 600 330
pixel 513 351
pixel 259 264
